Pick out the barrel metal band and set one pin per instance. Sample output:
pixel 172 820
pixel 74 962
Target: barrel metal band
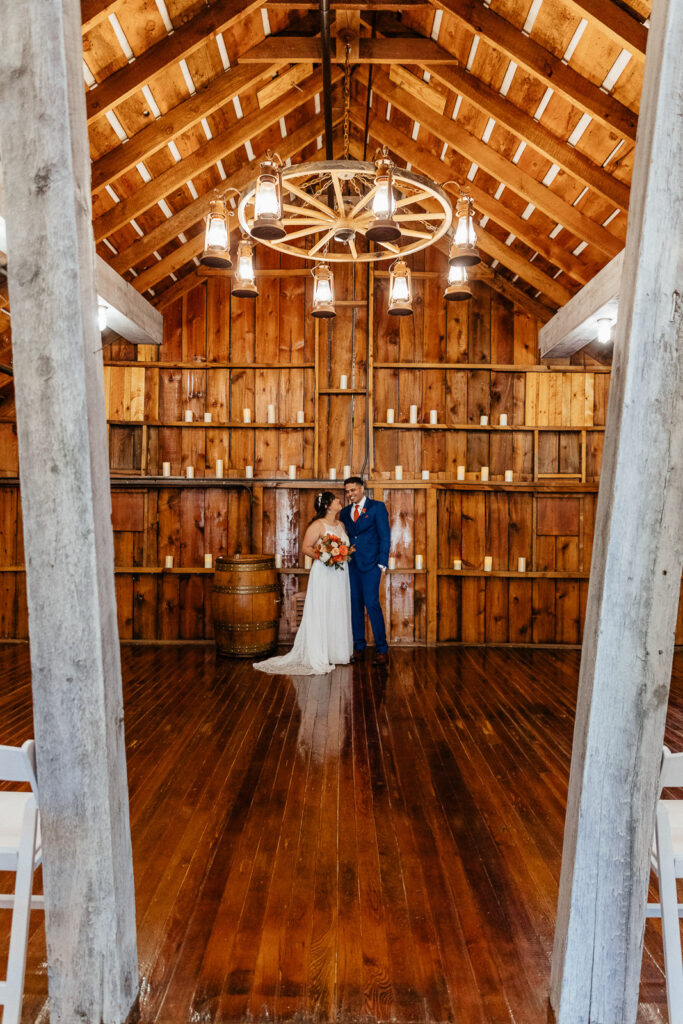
pixel 262 588
pixel 244 627
pixel 245 650
pixel 245 566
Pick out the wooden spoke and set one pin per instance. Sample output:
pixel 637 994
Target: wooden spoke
pixel 409 200
pixel 363 201
pixel 354 251
pixel 338 193
pixel 309 200
pixel 305 231
pixel 321 242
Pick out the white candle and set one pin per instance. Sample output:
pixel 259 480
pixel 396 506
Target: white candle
pixel 219 469
pixel 503 419
pixel 292 472
pixel 332 473
pixel 484 473
pixel 398 472
pixel 343 382
pixel 460 473
pixel 249 472
pixel 483 420
pixel 278 561
pixel 521 565
pixel 457 564
pixel 508 476
pixel 347 471
pixel 433 416
pixel 425 474
pixel 246 415
pixel 271 414
pixel 390 415
pixel 418 562
pixel 166 468
pixel 168 562
pixel 300 416
pixel 190 472
pixel 488 563
pixel 392 562
pixel 413 414
pixel 188 416
pixel 207 417
pixel 208 561
pixel 308 561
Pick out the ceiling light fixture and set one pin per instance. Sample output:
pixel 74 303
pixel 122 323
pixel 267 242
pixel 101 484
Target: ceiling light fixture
pixel 243 283
pixel 400 291
pixel 458 287
pixel 323 292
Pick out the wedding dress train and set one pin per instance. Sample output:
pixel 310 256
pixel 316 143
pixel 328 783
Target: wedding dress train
pixel 324 638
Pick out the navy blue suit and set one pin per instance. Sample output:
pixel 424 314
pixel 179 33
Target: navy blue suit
pixel 371 537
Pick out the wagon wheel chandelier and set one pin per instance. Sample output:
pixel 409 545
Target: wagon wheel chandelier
pixel 321 210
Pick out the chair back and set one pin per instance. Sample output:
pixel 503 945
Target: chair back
pixel 671 772
pixel 18 764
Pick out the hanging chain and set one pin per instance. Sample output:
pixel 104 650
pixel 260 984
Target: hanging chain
pixel 347 99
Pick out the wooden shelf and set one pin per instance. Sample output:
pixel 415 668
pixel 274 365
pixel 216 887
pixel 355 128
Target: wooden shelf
pixel 213 425
pixel 511 427
pixel 494 367
pixel 512 575
pixel 342 391
pixel 195 365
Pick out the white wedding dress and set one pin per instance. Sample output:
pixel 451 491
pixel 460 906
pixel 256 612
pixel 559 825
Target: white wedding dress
pixel 324 638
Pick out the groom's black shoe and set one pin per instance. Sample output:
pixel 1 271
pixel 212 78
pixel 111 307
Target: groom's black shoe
pixel 382 658
pixel 356 657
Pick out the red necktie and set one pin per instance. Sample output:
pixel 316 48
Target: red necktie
pixel 356 513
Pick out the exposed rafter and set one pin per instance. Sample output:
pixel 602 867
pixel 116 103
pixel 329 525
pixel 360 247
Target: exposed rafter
pixel 305 49
pixel 529 54
pixel 616 23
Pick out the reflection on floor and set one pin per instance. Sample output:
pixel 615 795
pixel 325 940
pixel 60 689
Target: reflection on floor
pixel 363 846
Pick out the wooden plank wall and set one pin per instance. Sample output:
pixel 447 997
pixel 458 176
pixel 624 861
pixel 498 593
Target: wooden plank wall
pixel 221 355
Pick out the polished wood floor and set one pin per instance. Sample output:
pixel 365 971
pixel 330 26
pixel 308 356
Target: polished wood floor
pixel 366 846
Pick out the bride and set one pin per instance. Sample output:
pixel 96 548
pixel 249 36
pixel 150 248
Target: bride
pixel 324 638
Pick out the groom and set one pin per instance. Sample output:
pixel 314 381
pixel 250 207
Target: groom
pixel 367 524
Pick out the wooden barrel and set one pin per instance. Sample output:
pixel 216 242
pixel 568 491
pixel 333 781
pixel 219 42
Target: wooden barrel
pixel 246 605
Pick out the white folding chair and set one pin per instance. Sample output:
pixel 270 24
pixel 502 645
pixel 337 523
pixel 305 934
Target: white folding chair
pixel 667 863
pixel 20 852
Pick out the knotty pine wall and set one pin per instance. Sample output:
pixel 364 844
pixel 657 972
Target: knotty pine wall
pixel 222 354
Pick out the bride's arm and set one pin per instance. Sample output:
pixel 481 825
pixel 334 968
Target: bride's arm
pixel 311 537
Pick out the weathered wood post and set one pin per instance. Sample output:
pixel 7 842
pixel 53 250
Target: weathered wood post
pixel 78 712
pixel 635 579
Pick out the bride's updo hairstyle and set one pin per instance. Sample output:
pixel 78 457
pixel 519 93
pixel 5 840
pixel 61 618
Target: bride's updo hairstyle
pixel 322 503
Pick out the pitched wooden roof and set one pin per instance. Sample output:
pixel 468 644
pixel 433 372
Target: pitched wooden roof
pixel 532 102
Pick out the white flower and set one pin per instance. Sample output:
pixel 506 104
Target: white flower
pixel 325 557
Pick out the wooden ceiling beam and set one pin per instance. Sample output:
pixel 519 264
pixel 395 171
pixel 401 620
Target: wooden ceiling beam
pixel 533 57
pixel 424 161
pixel 503 170
pixel 348 5
pixel 203 158
pixel 183 41
pixel 159 133
pixel 288 149
pixel 305 49
pixel 523 125
pixel 95 11
pixel 621 27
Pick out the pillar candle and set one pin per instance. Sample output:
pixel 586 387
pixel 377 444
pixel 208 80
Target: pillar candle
pixel 219 469
pixel 278 561
pixel 343 382
pixel 425 474
pixel 433 416
pixel 208 561
pixel 521 565
pixel 249 472
pixel 168 562
pixel 508 476
pixel 392 562
pixel 503 419
pixel 292 472
pixel 332 473
pixel 390 415
pixel 484 473
pixel 483 421
pixel 398 472
pixel 166 468
pixel 308 561
pixel 271 414
pixel 188 416
pixel 347 471
pixel 460 473
pixel 190 472
pixel 418 562
pixel 246 415
pixel 457 564
pixel 488 563
pixel 207 417
pixel 300 416
pixel 413 414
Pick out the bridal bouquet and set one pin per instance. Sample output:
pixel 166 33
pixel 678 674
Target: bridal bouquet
pixel 332 551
